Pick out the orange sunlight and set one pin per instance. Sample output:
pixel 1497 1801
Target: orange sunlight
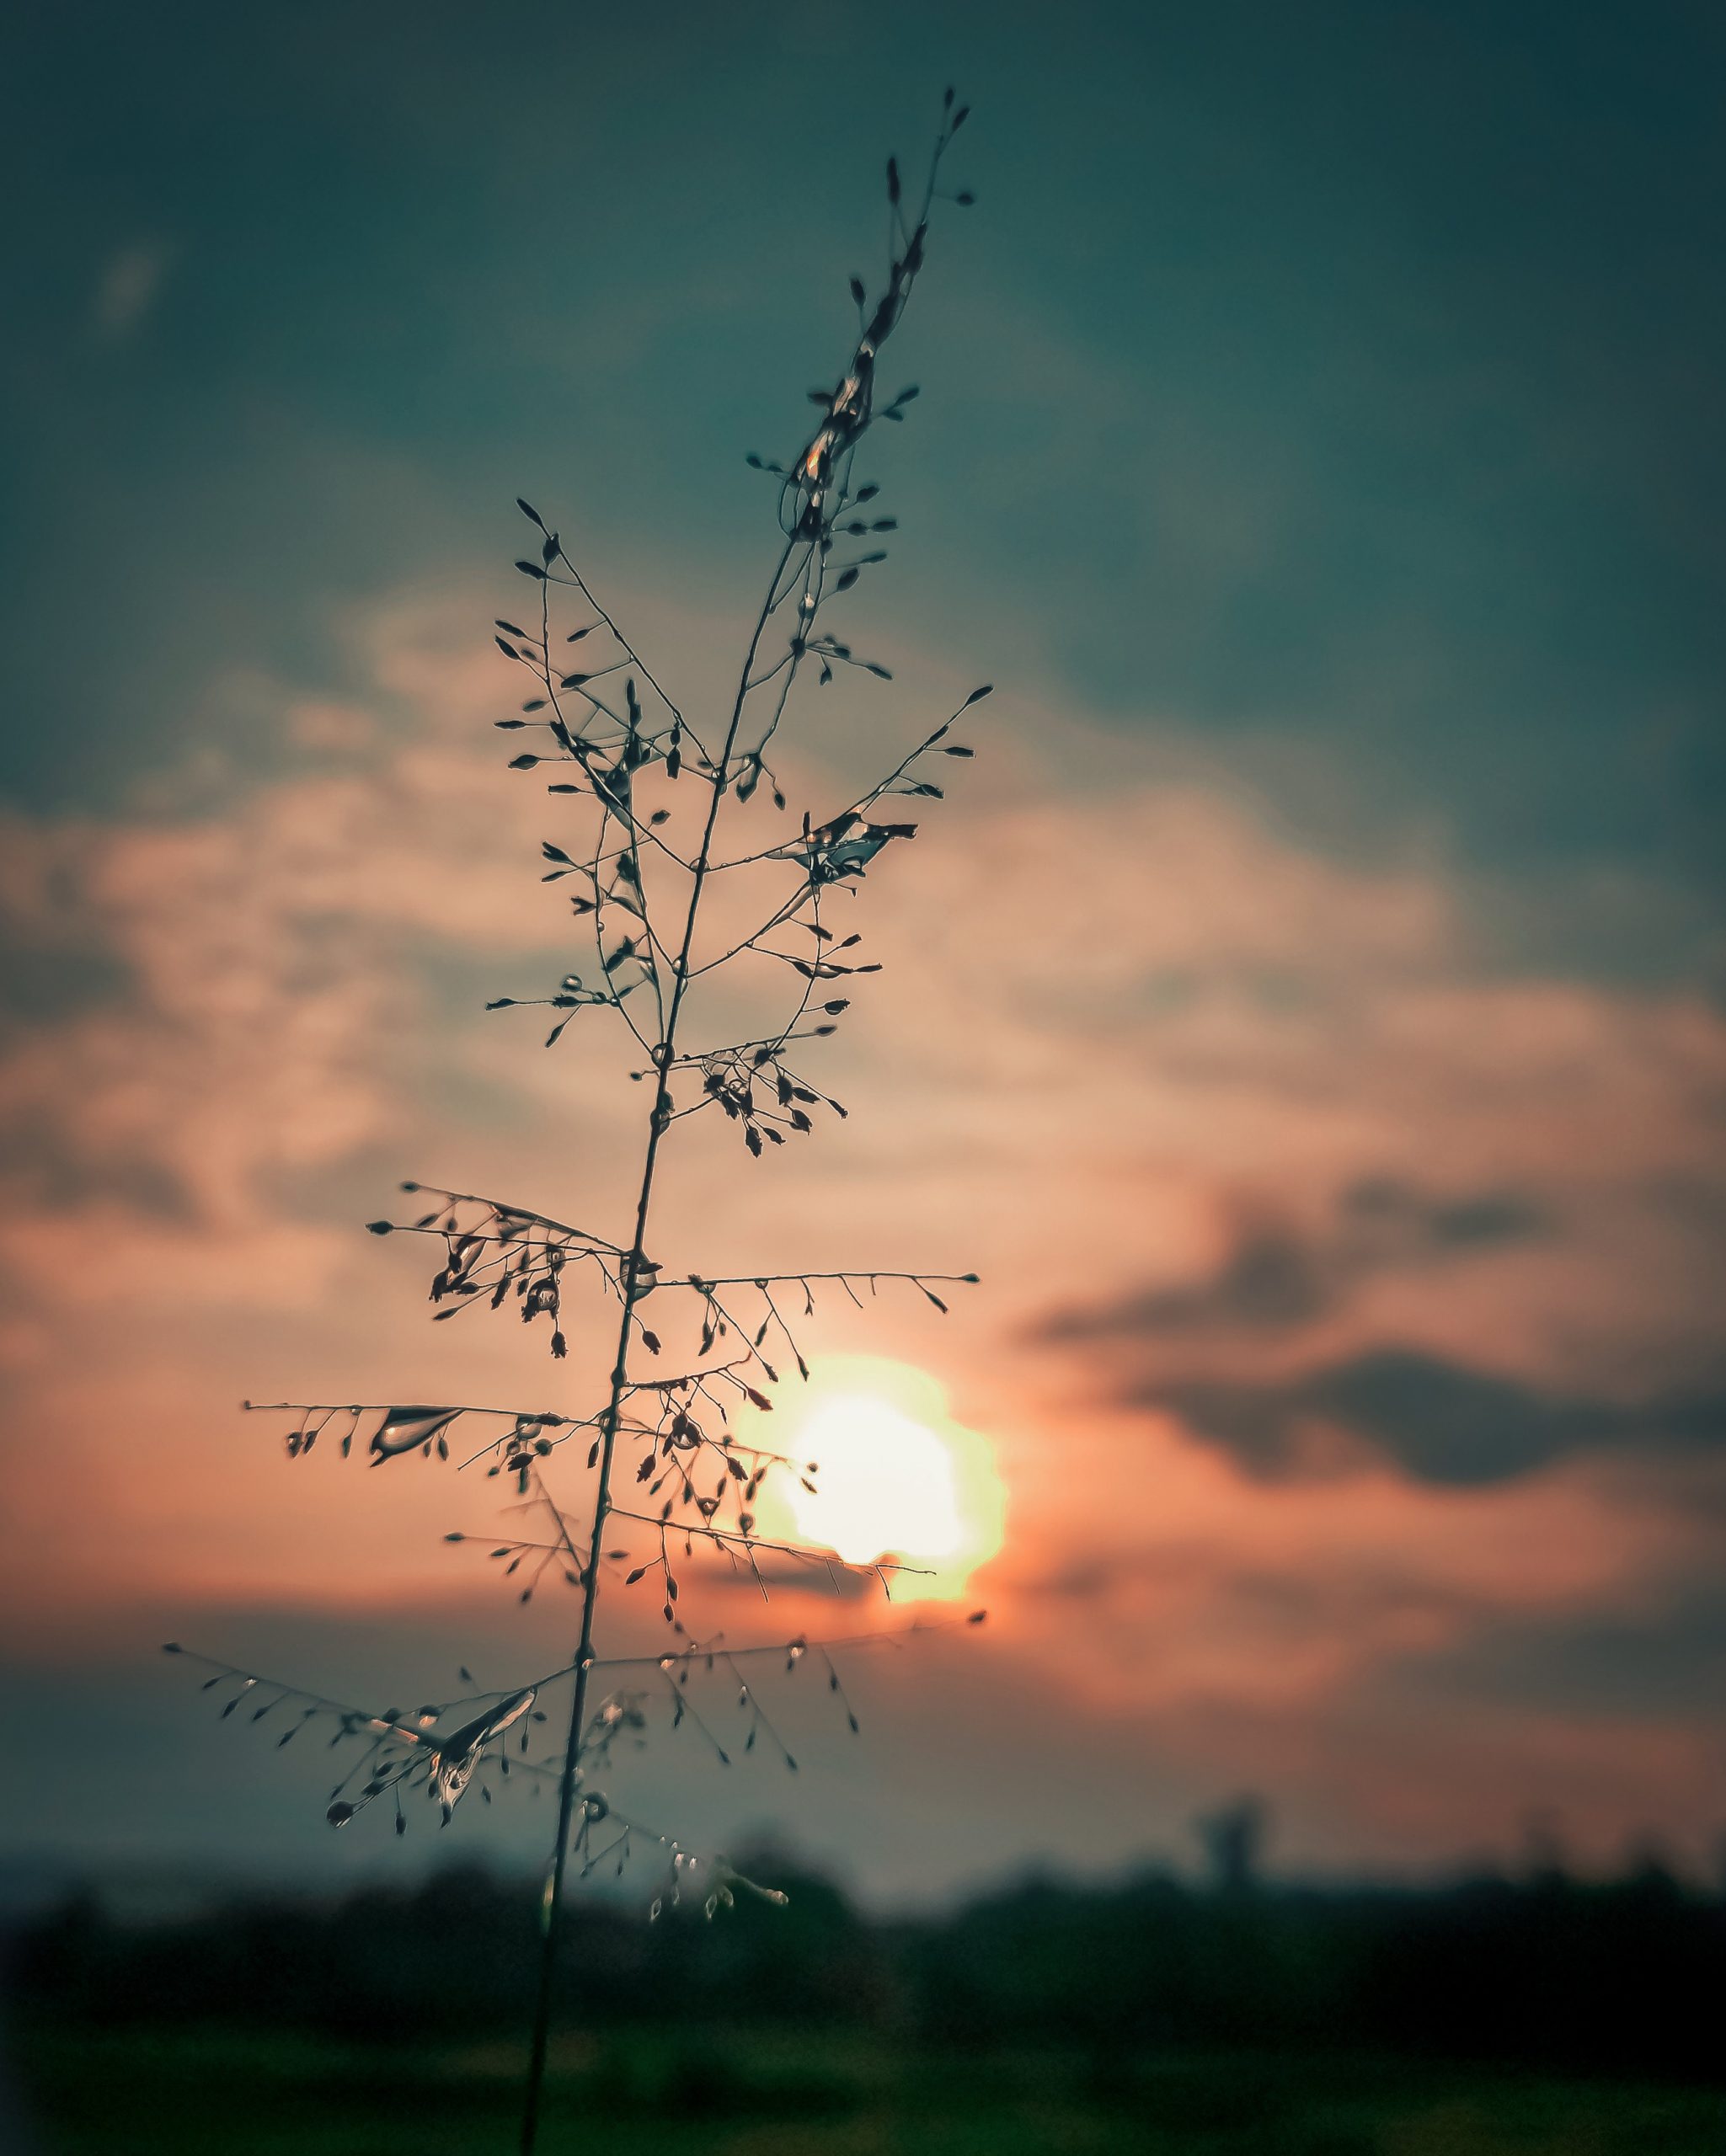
pixel 896 1479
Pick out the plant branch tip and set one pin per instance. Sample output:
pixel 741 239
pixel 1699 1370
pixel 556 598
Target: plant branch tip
pixel 644 946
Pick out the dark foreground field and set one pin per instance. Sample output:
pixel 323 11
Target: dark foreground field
pixel 1540 2016
pixel 184 2093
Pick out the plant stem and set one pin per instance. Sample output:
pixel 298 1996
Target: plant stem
pixel 630 1280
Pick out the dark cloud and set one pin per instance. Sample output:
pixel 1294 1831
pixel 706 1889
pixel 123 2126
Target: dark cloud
pixel 1471 1221
pixel 41 1163
pixel 1669 1661
pixel 1279 1276
pixel 1270 1281
pixel 39 984
pixel 1438 1421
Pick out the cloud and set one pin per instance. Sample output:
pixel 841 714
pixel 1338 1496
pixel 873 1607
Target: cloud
pixel 1278 1276
pixel 1305 1182
pixel 1649 1663
pixel 1440 1422
pixel 1468 1221
pixel 129 286
pixel 1270 1280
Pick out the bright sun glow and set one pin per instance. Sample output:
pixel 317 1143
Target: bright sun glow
pixel 884 1482
pixel 895 1477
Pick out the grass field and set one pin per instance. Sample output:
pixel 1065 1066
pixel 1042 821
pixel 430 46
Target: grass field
pixel 216 2094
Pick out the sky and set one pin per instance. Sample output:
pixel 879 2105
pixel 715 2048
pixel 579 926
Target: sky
pixel 1305 1012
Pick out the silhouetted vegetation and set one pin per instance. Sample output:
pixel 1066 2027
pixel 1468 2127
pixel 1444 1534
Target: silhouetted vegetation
pixel 1617 1978
pixel 656 801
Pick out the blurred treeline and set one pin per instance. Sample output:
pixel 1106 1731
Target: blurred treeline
pixel 1621 1978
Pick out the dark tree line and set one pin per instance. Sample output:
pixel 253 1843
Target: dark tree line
pixel 1623 1977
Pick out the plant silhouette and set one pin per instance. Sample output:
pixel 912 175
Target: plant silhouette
pixel 654 789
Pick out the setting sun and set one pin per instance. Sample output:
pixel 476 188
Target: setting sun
pixel 895 1477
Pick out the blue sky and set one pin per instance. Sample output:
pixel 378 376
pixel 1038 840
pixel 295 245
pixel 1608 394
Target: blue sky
pixel 1342 371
